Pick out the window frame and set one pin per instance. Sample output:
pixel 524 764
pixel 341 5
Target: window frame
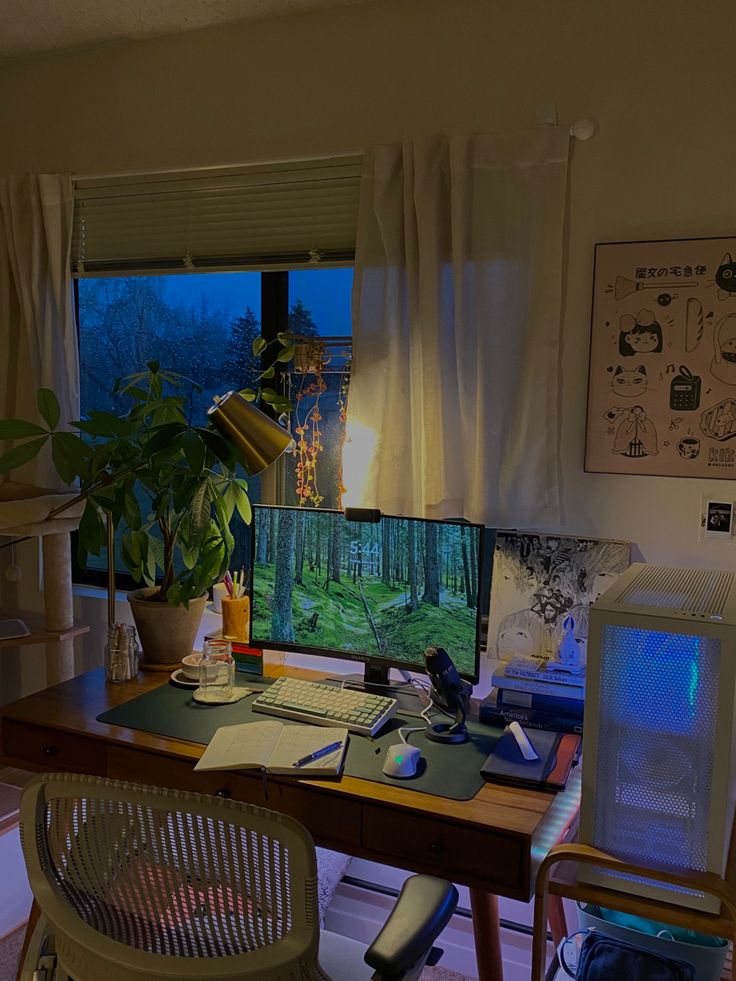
pixel 274 320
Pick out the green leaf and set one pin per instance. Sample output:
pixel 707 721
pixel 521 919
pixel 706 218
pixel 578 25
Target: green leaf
pixel 161 438
pixel 200 509
pixel 242 503
pixel 69 454
pixel 284 337
pixel 156 548
pixel 105 425
pixel 248 394
pixel 269 395
pixel 21 454
pixel 194 451
pixel 19 429
pixel 48 406
pixel 131 510
pixel 217 445
pixel 269 372
pixel 259 343
pixel 92 531
pixel 287 353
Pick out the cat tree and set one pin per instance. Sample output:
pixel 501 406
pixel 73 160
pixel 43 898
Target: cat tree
pixel 29 512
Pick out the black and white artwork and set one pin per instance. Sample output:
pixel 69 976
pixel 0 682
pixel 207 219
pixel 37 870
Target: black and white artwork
pixel 662 379
pixel 538 581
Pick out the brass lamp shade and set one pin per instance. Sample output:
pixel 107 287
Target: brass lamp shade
pixel 258 439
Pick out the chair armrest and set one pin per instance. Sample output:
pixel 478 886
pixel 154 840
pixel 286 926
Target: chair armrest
pixel 421 913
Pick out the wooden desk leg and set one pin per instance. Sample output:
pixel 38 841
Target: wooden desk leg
pixel 487 933
pixel 557 921
pixel 33 917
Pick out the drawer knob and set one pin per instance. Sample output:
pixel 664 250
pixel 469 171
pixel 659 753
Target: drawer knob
pixel 50 750
pixel 436 847
pixel 224 793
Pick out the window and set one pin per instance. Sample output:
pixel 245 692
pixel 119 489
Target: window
pixel 202 326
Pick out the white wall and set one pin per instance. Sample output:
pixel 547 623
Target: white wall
pixel 657 76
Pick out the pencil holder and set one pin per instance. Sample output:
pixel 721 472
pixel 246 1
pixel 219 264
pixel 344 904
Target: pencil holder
pixel 235 618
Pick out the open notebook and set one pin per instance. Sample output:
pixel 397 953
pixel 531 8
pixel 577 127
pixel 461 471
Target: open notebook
pixel 275 747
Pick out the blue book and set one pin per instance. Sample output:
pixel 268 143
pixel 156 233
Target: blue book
pixel 511 698
pixel 492 715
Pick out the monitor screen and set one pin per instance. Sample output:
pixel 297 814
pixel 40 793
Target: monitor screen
pixel 374 592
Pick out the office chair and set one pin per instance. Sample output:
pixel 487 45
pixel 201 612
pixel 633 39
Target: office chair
pixel 142 884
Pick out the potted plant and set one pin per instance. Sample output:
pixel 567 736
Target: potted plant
pixel 171 486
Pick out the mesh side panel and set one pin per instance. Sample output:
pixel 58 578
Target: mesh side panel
pixel 167 881
pixel 654 765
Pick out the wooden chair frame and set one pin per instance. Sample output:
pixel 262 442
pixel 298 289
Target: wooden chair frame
pixel 568 886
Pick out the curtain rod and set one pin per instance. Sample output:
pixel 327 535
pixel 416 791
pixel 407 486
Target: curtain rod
pixel 581 129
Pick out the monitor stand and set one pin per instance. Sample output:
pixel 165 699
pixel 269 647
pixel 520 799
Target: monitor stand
pixel 375 680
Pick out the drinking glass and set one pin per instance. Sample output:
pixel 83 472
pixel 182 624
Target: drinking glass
pixel 216 672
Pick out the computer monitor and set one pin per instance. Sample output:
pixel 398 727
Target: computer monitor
pixel 379 593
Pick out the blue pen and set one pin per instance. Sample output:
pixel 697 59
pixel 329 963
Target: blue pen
pixel 318 754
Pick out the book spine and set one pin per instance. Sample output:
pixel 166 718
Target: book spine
pixel 494 715
pixel 511 699
pixel 501 680
pixel 575 681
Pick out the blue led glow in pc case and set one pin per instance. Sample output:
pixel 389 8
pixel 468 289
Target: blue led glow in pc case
pixel 658 748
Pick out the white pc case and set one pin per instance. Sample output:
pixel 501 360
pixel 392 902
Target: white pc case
pixel 658 744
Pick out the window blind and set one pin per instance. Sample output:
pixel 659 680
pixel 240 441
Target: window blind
pixel 278 215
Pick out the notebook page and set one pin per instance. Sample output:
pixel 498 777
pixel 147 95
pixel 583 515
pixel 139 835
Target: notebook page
pixel 239 747
pixel 298 741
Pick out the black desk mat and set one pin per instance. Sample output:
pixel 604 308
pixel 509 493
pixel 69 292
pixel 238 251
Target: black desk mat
pixel 451 771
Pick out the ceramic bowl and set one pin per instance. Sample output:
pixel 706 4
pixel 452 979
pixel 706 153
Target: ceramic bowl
pixel 190 665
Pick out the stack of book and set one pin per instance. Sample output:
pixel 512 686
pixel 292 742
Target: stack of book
pixel 247 659
pixel 528 691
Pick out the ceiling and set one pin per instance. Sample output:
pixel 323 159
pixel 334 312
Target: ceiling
pixel 28 26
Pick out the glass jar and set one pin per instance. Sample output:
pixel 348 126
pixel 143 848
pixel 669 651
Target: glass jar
pixel 122 653
pixel 216 672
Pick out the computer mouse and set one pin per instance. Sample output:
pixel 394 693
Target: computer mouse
pixel 401 761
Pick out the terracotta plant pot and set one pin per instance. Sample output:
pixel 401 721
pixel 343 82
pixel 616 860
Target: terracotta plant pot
pixel 166 632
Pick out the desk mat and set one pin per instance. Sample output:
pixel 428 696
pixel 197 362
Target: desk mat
pixel 446 770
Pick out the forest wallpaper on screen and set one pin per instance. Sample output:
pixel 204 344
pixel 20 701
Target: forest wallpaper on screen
pixel 386 590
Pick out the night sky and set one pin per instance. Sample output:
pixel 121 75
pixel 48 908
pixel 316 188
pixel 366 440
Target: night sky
pixel 324 292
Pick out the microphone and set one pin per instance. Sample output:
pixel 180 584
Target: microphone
pixel 449 691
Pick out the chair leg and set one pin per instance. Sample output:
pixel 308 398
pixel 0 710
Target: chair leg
pixel 31 949
pixel 557 921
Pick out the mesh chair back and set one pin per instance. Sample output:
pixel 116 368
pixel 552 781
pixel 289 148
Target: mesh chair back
pixel 153 883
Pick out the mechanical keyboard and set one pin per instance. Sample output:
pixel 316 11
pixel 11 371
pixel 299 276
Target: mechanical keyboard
pixel 326 705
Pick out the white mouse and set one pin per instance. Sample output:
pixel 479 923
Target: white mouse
pixel 401 761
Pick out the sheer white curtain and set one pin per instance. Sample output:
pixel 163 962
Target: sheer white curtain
pixel 456 323
pixel 38 336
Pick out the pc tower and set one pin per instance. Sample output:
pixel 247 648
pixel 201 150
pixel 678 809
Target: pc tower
pixel 658 748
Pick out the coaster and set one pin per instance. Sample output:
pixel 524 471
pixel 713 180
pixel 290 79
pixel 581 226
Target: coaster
pixel 182 681
pixel 215 698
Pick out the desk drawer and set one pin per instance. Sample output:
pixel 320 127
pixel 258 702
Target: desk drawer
pixel 52 750
pixel 330 819
pixel 432 844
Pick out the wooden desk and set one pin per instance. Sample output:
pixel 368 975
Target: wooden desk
pixel 493 843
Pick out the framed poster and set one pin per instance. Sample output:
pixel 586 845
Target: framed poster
pixel 662 375
pixel 538 581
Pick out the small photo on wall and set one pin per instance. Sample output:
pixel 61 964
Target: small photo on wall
pixel 718 519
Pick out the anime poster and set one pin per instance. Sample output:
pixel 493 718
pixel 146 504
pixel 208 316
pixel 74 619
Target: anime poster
pixel 662 380
pixel 539 580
